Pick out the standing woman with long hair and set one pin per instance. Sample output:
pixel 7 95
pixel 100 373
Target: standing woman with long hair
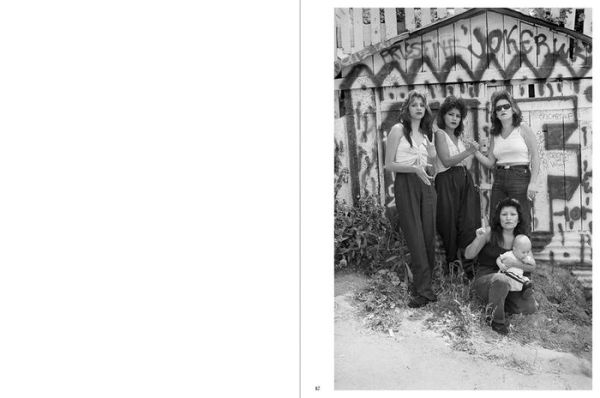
pixel 409 153
pixel 458 204
pixel 513 155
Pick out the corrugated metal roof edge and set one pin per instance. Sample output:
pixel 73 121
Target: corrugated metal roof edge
pixel 372 49
pixel 506 11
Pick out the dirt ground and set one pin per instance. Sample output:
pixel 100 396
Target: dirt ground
pixel 416 357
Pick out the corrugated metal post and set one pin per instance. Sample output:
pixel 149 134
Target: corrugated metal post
pixel 570 20
pixel 409 17
pixel 391 28
pixel 425 16
pixel 352 148
pixel 345 26
pixel 380 154
pixel 375 26
pixel 343 187
pixel 336 39
pixel 587 22
pixel 357 22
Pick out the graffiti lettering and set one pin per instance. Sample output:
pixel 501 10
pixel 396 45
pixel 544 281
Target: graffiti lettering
pixel 587 175
pixel 480 37
pixel 540 40
pixel 588 93
pixel 558 132
pixel 510 41
pixel 416 55
pixel 495 37
pixel 447 46
pixel 415 51
pixel 524 43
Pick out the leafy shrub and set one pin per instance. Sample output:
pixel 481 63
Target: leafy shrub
pixel 365 238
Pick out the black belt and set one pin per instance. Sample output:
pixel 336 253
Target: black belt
pixel 516 166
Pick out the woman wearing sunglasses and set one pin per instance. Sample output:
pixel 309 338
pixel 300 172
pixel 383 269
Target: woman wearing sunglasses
pixel 513 155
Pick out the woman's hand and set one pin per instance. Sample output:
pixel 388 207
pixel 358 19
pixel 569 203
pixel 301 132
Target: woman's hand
pixel 473 249
pixel 503 267
pixel 531 191
pixel 472 146
pixel 420 172
pixel 430 146
pixel 480 232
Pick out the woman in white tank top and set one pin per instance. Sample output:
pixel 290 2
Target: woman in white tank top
pixel 513 155
pixel 458 204
pixel 409 152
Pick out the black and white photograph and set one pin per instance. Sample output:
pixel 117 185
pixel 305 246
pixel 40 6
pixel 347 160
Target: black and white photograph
pixel 462 198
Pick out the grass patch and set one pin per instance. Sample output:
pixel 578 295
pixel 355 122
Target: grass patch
pixel 562 323
pixel 564 319
pixel 381 300
pixel 455 315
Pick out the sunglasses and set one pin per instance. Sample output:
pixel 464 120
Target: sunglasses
pixel 505 107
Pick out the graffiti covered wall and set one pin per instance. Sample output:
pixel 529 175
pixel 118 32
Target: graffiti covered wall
pixel 549 73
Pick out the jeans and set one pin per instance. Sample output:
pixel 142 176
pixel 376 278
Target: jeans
pixel 512 183
pixel 494 289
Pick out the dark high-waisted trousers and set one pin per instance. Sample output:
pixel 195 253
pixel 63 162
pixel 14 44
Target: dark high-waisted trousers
pixel 494 288
pixel 415 203
pixel 512 183
pixel 458 210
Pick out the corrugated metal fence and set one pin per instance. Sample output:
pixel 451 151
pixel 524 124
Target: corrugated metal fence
pixel 470 55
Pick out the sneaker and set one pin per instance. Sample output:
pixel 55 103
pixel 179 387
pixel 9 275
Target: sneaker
pixel 500 328
pixel 418 301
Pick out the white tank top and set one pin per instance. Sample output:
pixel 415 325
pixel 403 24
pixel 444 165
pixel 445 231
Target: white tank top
pixel 452 150
pixel 512 149
pixel 411 156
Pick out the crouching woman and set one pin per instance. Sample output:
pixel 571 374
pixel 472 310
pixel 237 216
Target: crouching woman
pixel 493 287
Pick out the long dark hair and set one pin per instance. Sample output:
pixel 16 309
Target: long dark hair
pixel 496 237
pixel 425 125
pixel 450 103
pixel 517 114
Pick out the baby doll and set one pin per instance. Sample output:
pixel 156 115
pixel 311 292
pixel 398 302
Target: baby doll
pixel 510 262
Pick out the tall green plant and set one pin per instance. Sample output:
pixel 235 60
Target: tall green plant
pixel 365 238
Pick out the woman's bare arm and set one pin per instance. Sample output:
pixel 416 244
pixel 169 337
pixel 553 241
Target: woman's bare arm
pixel 482 236
pixel 443 153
